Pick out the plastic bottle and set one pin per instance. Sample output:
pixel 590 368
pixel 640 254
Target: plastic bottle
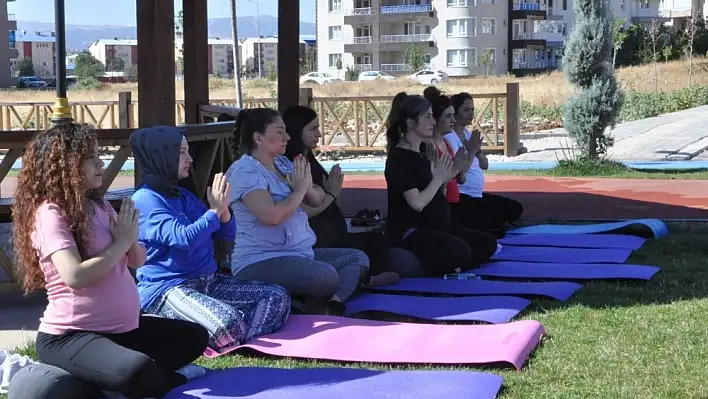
pixel 461 276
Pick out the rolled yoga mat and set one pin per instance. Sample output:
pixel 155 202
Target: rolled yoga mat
pixel 562 255
pixel 372 341
pixel 560 290
pixel 489 309
pixel 566 271
pixel 574 241
pixel 338 383
pixel 648 228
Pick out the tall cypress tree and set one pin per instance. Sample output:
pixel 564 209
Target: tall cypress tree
pixel 587 64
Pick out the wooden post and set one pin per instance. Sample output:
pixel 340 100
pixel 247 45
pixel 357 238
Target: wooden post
pixel 511 120
pixel 125 109
pixel 306 97
pixel 288 53
pixel 156 62
pixel 195 53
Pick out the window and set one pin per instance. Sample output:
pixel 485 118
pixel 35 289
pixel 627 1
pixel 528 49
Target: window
pixel 644 4
pixel 565 5
pixel 335 33
pixel 333 58
pixel 411 28
pixel 489 26
pixel 335 5
pixel 363 31
pixel 490 54
pixel 457 58
pixel 461 27
pixel 364 59
pixel 488 1
pixel 460 3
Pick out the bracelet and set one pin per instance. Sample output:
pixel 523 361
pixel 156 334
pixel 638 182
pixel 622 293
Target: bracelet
pixel 331 195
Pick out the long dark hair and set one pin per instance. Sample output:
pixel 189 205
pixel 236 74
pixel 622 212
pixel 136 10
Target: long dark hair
pixel 250 121
pixel 408 107
pixel 295 119
pixel 459 99
pixel 438 101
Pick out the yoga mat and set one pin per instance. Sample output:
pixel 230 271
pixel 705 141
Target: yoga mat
pixel 562 255
pixel 648 228
pixel 490 309
pixel 567 271
pixel 372 341
pixel 560 290
pixel 338 383
pixel 574 240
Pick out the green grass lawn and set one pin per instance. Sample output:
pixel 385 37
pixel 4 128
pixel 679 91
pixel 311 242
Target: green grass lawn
pixel 613 339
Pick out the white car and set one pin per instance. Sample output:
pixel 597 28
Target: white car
pixel 319 78
pixel 429 77
pixel 373 75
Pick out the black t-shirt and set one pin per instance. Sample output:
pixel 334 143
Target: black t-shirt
pixel 406 170
pixel 330 226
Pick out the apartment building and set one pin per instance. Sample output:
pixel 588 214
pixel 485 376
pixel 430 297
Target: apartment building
pixel 220 61
pixel 38 47
pixel 679 12
pixel 126 50
pixel 267 57
pixel 8 25
pixel 460 37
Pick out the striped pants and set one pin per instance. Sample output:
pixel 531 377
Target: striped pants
pixel 233 310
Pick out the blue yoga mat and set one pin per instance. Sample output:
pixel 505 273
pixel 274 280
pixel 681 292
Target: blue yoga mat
pixel 566 271
pixel 560 290
pixel 489 309
pixel 562 255
pixel 648 228
pixel 338 383
pixel 574 241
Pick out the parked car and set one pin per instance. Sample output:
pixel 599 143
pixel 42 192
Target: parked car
pixel 30 82
pixel 430 77
pixel 373 75
pixel 319 78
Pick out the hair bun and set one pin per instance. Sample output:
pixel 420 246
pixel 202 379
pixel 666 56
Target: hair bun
pixel 431 93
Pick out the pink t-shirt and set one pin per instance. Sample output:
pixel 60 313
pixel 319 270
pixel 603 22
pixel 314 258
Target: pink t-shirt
pixel 109 305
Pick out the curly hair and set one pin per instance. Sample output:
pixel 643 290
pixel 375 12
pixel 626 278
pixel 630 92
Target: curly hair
pixel 51 171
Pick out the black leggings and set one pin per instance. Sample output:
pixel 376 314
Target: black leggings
pixel 443 252
pixel 139 363
pixel 488 213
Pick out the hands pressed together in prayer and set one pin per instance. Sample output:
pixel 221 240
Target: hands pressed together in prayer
pixel 333 183
pixel 218 197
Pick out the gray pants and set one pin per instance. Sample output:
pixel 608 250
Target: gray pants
pixel 42 381
pixel 333 271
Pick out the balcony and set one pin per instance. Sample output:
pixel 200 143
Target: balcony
pixel 523 9
pixel 524 39
pixel 393 13
pixel 359 11
pixel 404 38
pixel 363 67
pixel 358 16
pixel 360 44
pixel 535 64
pixel 395 67
pixel 11 17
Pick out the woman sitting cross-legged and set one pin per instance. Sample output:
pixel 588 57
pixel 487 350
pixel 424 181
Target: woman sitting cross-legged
pixel 418 213
pixel 70 241
pixel 274 240
pixel 180 278
pixel 475 208
pixel 327 220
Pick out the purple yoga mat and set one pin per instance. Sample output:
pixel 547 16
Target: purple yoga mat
pixel 566 271
pixel 575 241
pixel 490 309
pixel 562 255
pixel 560 290
pixel 339 383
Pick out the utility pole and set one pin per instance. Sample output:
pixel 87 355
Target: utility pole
pixel 62 112
pixel 258 32
pixel 237 58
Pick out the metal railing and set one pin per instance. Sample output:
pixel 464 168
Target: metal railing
pixel 529 7
pixel 359 11
pixel 11 17
pixel 404 38
pixel 406 9
pixel 536 64
pixel 395 67
pixel 362 40
pixel 460 3
pixel 363 67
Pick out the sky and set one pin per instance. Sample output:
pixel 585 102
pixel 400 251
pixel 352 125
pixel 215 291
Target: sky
pixel 122 12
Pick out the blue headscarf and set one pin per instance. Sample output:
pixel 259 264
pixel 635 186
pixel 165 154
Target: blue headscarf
pixel 156 150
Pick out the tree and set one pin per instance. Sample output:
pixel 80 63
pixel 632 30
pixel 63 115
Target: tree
pixel 115 64
pixel 25 67
pixel 619 36
pixel 689 39
pixel 87 66
pixel 587 65
pixel 485 59
pixel 655 47
pixel 179 34
pixel 310 59
pixel 272 75
pixel 338 65
pixel 414 57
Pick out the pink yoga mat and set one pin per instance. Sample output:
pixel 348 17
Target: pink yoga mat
pixel 370 341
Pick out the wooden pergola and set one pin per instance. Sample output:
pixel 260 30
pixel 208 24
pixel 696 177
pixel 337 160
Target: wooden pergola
pixel 156 59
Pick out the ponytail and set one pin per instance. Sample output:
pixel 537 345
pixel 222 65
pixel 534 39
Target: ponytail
pixel 393 131
pixel 236 135
pixel 438 101
pixel 249 122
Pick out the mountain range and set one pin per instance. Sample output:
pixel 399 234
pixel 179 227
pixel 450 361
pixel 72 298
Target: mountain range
pixel 79 37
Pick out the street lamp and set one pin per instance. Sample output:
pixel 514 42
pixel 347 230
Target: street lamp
pixel 258 32
pixel 62 112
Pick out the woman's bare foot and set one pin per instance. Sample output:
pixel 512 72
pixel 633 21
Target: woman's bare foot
pixel 386 278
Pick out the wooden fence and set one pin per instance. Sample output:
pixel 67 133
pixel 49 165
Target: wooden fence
pixel 347 123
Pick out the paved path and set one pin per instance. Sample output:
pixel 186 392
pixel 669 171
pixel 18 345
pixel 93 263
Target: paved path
pixel 679 136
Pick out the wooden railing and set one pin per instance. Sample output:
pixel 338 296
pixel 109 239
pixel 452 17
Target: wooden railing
pixel 347 123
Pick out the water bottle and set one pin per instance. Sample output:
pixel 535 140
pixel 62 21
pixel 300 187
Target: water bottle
pixel 461 276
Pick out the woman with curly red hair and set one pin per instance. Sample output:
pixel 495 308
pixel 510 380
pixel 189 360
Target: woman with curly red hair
pixel 71 242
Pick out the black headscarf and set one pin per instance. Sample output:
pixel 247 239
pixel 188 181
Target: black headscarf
pixel 156 150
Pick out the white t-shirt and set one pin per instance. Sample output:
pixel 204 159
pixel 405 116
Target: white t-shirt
pixel 474 183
